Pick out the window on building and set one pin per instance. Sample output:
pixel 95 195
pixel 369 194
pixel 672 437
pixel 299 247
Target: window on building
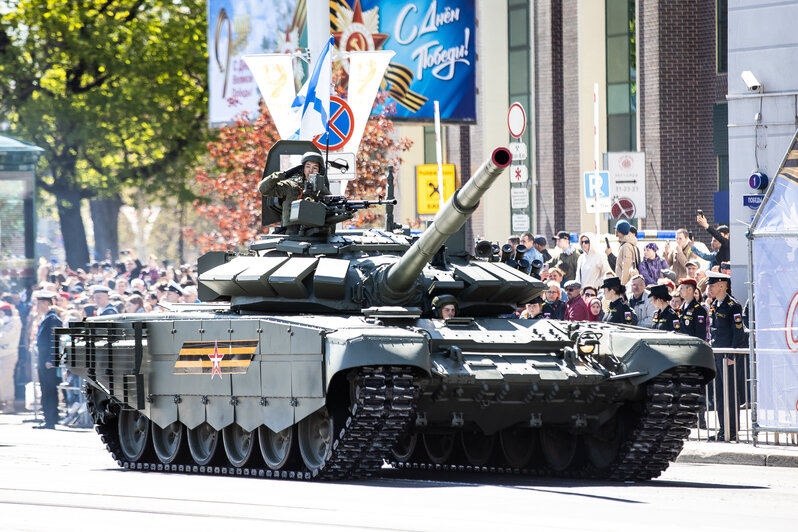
pixel 621 75
pixel 720 142
pixel 722 35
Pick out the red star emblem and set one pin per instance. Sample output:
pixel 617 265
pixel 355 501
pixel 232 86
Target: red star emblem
pixel 216 358
pixel 357 37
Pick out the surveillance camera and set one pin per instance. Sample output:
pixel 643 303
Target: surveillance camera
pixel 750 80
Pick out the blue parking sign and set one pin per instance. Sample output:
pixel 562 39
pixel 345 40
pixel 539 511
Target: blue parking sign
pixel 597 184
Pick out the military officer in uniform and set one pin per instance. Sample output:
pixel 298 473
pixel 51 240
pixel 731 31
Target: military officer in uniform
pixel 726 330
pixel 665 318
pixel 619 311
pixel 288 186
pixel 46 359
pixel 692 315
pixel 534 309
pixel 102 300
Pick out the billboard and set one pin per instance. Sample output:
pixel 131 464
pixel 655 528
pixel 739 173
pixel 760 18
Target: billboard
pixel 434 46
pixel 240 27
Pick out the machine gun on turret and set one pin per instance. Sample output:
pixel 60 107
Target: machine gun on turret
pixel 326 209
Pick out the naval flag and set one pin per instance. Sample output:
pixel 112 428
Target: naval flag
pixel 313 100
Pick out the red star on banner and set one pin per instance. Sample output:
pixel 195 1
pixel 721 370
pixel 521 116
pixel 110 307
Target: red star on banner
pixel 518 173
pixel 216 358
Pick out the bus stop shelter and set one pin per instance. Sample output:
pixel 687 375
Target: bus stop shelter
pixel 18 161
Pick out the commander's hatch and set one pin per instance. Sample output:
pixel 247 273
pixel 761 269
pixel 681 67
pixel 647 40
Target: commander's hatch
pixel 284 155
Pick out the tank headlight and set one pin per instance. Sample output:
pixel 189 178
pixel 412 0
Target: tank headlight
pixel 587 342
pixel 586 349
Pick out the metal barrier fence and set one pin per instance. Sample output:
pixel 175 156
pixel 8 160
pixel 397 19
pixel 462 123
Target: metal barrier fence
pixel 729 412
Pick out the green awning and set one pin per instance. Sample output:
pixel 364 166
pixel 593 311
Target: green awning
pixel 18 155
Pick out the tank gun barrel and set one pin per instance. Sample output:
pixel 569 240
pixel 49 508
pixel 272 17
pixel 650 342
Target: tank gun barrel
pixel 459 208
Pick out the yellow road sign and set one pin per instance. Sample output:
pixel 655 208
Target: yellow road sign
pixel 427 186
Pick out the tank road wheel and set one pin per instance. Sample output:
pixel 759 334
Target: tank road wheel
pixel 202 442
pixel 168 441
pixel 277 448
pixel 477 447
pixel 439 447
pixel 603 446
pixel 405 447
pixel 238 444
pixel 315 438
pixel 134 432
pixel 517 445
pixel 559 447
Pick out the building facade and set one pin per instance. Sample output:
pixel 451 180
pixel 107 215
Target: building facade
pixel 661 72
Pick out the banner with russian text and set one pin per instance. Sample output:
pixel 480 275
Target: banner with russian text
pixel 434 46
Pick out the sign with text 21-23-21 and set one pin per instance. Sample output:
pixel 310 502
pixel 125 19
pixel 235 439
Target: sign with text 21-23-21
pixel 434 46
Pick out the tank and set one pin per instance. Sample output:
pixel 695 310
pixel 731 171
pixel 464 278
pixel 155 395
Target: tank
pixel 318 353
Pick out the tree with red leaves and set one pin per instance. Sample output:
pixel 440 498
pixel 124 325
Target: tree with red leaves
pixel 229 184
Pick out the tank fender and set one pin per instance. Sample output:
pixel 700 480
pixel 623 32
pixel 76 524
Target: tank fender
pixel 651 355
pixel 352 348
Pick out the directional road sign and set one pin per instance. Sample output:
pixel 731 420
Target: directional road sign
pixel 342 122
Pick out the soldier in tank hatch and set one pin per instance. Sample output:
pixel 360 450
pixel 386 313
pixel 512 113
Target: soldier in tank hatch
pixel 288 186
pixel 445 306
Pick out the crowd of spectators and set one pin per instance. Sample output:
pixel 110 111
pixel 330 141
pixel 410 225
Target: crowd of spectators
pixel 681 289
pixel 100 288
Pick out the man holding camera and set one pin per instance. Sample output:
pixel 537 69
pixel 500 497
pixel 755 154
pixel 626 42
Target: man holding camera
pixel 292 185
pixel 677 258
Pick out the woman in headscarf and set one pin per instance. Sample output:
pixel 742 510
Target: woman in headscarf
pixel 592 265
pixel 652 264
pixel 596 312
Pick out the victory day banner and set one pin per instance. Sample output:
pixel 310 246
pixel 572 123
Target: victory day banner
pixel 434 47
pixel 240 27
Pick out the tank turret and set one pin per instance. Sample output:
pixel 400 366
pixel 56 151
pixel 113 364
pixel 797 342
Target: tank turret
pixel 316 268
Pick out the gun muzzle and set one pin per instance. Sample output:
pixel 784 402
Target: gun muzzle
pixel 507 252
pixel 484 249
pixel 535 268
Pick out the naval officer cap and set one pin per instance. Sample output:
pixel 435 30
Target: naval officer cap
pixel 99 288
pixel 714 277
pixel 45 295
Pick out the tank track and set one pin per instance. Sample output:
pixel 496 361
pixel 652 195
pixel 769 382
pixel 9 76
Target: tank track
pixel 657 438
pixel 383 408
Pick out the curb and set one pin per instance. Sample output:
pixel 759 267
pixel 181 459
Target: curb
pixel 693 456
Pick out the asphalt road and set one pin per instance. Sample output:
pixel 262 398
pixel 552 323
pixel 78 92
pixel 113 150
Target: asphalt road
pixel 65 480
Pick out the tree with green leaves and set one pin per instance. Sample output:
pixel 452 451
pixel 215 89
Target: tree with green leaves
pixel 114 91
